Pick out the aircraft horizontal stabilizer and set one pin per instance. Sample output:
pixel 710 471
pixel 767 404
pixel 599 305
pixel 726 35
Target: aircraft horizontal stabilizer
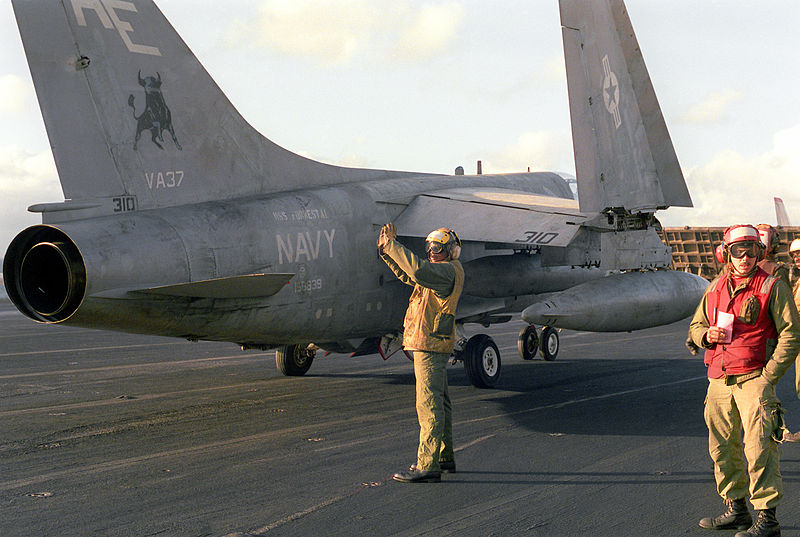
pixel 248 286
pixel 494 215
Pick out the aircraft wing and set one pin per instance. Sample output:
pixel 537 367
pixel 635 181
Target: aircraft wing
pixel 493 215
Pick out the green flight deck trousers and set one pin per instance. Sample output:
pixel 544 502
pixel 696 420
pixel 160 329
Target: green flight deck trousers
pixel 434 410
pixel 752 407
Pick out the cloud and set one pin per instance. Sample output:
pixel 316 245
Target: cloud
pixel 330 31
pixel 541 150
pixel 21 170
pixel 736 188
pixel 555 69
pixel 25 178
pixel 427 31
pixel 713 109
pixel 347 159
pixel 335 32
pixel 352 160
pixel 15 94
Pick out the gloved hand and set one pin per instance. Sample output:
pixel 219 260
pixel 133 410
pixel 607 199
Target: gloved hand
pixel 388 233
pixel 692 347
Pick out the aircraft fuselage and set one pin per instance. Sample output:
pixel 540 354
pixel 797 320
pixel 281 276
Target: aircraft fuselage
pixel 325 238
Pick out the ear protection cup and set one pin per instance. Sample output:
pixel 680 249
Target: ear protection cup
pixel 721 254
pixel 769 238
pixel 455 248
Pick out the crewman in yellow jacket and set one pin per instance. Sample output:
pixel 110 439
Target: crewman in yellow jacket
pixel 429 331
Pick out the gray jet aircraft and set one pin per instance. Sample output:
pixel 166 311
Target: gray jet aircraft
pixel 181 220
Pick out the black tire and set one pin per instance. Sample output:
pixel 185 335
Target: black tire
pixel 549 344
pixel 293 360
pixel 528 342
pixel 482 361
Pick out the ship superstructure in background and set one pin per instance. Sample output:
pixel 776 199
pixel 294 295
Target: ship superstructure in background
pixel 693 247
pixel 181 220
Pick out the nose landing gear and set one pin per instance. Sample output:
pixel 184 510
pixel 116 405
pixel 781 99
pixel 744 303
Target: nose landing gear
pixel 529 343
pixel 549 345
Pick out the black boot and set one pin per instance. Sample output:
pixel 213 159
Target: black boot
pixel 766 525
pixel 737 517
pixel 418 476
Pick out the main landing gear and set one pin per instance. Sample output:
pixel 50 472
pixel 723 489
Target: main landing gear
pixel 481 356
pixel 479 353
pixel 481 361
pixel 294 360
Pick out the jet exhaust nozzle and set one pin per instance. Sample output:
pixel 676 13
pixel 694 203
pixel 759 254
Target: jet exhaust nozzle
pixel 44 274
pixel 621 302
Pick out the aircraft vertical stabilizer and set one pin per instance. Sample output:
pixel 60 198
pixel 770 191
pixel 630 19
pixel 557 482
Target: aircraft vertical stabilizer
pixel 624 156
pixel 780 213
pixel 134 119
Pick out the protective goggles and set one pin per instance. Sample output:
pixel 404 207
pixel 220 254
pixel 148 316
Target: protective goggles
pixel 741 249
pixel 434 247
pixel 795 254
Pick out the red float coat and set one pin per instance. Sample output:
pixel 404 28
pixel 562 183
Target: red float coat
pixel 747 351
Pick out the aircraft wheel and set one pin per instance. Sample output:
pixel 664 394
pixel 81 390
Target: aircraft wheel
pixel 549 343
pixel 293 360
pixel 528 342
pixel 482 361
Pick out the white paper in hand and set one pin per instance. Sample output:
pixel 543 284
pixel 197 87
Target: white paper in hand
pixel 725 320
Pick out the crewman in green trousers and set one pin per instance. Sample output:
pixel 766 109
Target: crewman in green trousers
pixel 429 331
pixel 748 323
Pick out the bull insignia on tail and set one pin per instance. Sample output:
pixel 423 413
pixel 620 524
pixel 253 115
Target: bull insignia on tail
pixel 156 116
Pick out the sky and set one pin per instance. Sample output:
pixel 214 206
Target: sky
pixel 430 85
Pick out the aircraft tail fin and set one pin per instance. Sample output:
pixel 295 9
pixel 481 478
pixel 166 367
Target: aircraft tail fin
pixel 780 213
pixel 136 122
pixel 624 156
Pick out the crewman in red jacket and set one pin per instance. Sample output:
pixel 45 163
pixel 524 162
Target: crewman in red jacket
pixel 748 323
